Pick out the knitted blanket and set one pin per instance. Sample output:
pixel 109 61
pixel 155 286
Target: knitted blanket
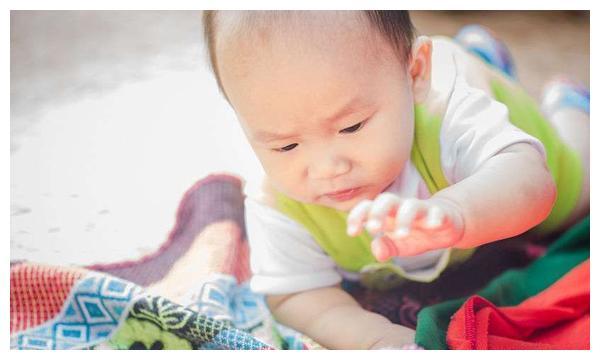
pixel 155 302
pixel 192 292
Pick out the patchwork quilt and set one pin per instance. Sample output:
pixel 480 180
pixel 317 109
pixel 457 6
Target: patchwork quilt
pixel 160 301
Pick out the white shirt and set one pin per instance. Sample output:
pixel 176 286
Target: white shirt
pixel 285 258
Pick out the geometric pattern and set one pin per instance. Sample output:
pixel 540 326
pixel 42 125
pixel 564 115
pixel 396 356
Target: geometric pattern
pixel 38 293
pixel 175 324
pixel 91 313
pixel 220 297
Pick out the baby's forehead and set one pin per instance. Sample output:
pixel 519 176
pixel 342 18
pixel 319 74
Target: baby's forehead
pixel 265 25
pixel 247 35
pixel 295 56
pixel 295 18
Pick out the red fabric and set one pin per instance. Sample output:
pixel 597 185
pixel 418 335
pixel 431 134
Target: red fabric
pixel 37 293
pixel 556 318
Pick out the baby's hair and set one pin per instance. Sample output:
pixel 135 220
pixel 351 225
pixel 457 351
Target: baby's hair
pixel 395 26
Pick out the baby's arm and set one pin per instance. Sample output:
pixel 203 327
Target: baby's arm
pixel 335 320
pixel 510 193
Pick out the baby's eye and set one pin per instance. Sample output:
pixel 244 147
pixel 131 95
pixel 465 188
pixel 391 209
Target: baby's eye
pixel 286 148
pixel 353 128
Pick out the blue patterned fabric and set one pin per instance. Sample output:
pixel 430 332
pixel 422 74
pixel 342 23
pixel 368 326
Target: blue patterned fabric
pixel 105 312
pixel 92 312
pixel 220 297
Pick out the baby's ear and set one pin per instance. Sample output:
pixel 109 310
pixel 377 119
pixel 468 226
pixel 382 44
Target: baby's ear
pixel 419 68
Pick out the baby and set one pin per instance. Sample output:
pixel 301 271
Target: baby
pixel 387 157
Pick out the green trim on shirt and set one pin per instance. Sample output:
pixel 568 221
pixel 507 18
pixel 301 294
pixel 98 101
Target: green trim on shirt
pixel 425 154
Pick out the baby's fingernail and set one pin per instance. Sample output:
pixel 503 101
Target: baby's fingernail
pixel 373 225
pixel 402 232
pixel 434 223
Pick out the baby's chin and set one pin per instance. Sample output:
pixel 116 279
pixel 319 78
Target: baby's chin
pixel 344 207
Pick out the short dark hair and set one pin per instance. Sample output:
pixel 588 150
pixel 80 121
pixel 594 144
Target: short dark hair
pixel 395 26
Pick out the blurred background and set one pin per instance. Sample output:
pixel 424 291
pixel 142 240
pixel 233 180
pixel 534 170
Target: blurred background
pixel 114 115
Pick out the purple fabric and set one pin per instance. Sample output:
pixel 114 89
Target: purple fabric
pixel 212 199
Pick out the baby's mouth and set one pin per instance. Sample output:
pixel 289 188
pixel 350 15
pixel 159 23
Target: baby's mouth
pixel 345 194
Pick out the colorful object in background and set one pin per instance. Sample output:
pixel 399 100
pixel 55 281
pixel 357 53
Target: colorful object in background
pixel 562 92
pixel 482 42
pixel 558 318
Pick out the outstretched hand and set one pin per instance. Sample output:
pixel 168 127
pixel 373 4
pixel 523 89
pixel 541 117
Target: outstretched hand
pixel 406 226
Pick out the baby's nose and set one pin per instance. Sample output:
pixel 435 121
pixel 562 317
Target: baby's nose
pixel 327 167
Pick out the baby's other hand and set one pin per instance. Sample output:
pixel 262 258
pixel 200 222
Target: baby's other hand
pixel 407 226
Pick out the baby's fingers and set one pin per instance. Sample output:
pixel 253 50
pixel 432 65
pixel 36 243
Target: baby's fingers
pixel 380 209
pixel 435 218
pixel 383 248
pixel 357 217
pixel 406 215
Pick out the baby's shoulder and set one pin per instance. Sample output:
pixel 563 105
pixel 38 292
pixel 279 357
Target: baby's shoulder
pixel 451 61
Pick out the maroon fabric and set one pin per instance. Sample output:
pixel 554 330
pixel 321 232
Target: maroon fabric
pixel 215 198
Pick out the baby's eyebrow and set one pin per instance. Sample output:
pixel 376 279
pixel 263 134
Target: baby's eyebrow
pixel 350 107
pixel 264 136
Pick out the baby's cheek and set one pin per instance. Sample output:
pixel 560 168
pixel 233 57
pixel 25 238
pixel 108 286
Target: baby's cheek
pixel 286 177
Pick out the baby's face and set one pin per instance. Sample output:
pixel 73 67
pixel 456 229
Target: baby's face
pixel 326 107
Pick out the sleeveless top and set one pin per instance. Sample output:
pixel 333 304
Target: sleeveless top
pixel 328 226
